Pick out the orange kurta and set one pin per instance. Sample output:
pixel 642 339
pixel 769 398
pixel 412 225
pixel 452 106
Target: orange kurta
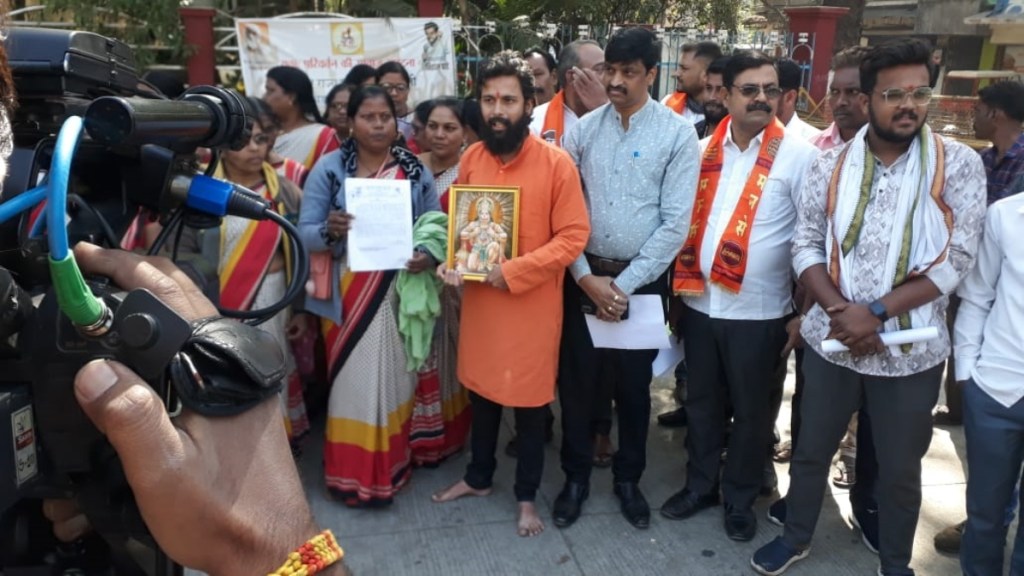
pixel 508 341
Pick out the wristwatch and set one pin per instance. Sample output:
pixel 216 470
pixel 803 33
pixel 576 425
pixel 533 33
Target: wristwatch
pixel 877 310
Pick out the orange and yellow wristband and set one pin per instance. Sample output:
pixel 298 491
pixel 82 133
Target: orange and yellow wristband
pixel 317 553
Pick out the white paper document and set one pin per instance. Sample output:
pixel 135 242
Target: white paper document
pixel 381 234
pixel 643 330
pixel 897 338
pixel 668 358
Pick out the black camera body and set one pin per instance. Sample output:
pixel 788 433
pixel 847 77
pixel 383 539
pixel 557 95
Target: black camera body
pixel 133 159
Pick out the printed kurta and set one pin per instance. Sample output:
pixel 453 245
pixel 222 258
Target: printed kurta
pixel 508 341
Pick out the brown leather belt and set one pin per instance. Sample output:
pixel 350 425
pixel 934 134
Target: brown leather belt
pixel 606 266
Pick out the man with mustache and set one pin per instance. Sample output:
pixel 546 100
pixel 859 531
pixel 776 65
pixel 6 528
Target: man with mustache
pixel 691 77
pixel 714 113
pixel 888 226
pixel 638 162
pixel 511 322
pixel 543 65
pixel 733 278
pixel 579 76
pixel 849 113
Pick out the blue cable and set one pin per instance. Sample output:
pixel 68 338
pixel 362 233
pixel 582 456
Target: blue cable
pixel 24 201
pixel 60 172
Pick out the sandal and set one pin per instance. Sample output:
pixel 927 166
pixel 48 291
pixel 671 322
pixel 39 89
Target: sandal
pixel 845 474
pixel 783 452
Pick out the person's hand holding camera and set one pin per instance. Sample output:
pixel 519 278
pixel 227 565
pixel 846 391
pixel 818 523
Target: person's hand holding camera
pixel 220 495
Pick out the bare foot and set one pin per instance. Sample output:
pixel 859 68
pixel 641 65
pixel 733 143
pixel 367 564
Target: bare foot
pixel 530 523
pixel 458 490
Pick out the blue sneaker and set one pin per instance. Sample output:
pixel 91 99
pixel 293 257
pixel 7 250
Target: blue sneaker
pixel 777 512
pixel 776 557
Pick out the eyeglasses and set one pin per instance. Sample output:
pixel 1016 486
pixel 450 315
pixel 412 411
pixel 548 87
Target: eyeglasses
pixel 920 96
pixel 260 139
pixel 399 88
pixel 771 91
pixel 339 107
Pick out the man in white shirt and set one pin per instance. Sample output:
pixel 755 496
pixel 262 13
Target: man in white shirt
pixel 989 352
pixel 736 287
pixel 579 75
pixel 790 76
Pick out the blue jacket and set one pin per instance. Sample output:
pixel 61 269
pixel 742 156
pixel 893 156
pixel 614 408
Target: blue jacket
pixel 325 191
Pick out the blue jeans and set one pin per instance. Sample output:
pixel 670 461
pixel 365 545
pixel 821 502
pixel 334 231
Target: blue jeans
pixel 995 452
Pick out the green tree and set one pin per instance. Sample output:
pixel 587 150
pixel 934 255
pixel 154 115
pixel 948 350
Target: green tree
pixel 152 25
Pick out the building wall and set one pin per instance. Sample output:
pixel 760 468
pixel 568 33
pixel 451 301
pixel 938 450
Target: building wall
pixel 946 17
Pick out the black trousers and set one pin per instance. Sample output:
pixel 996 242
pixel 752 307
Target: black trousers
pixel 796 400
pixel 579 382
pixel 729 361
pixel 607 375
pixel 484 441
pixel 862 493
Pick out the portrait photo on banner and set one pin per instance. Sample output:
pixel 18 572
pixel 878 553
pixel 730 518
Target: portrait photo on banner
pixel 483 228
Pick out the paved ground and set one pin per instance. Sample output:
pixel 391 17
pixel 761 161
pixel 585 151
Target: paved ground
pixel 476 537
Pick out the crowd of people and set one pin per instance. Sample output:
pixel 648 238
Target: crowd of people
pixel 760 234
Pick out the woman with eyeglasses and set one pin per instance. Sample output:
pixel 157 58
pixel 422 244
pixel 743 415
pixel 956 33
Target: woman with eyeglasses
pixel 254 264
pixel 337 109
pixel 395 80
pixel 303 137
pixel 367 450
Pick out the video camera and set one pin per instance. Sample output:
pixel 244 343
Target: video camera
pixel 88 135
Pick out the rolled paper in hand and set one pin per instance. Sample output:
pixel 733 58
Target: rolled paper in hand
pixel 897 338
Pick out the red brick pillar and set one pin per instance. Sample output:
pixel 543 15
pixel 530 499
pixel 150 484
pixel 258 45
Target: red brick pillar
pixel 820 23
pixel 202 63
pixel 431 8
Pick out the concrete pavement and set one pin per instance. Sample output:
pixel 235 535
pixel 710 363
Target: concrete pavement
pixel 476 536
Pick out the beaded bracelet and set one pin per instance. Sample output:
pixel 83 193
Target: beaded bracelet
pixel 317 553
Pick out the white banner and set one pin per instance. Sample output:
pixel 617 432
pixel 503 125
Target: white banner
pixel 327 48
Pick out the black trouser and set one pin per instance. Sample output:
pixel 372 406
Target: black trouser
pixel 862 493
pixel 798 396
pixel 954 392
pixel 729 361
pixel 778 377
pixel 484 441
pixel 578 387
pixel 606 377
pixel 900 410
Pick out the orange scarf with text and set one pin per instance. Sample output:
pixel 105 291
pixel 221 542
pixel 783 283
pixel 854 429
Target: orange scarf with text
pixel 731 256
pixel 677 102
pixel 554 120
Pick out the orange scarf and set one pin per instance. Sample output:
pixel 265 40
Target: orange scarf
pixel 730 263
pixel 554 120
pixel 677 102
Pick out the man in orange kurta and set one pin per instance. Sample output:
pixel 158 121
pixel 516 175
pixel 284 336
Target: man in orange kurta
pixel 511 322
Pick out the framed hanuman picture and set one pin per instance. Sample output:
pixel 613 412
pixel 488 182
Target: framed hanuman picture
pixel 483 228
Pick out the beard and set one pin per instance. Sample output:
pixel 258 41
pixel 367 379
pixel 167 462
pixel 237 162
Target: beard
pixel 508 142
pixel 714 112
pixel 891 135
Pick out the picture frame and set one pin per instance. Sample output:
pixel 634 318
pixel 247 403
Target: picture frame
pixel 479 240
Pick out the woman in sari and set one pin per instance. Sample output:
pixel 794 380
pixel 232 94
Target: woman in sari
pixel 367 452
pixel 304 137
pixel 254 264
pixel 441 419
pixel 337 109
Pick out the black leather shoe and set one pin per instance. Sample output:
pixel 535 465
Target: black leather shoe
pixel 769 480
pixel 740 524
pixel 674 419
pixel 685 503
pixel 633 505
pixel 569 504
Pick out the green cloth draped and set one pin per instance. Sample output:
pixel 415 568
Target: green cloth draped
pixel 419 302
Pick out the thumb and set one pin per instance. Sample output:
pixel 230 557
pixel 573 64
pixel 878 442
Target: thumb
pixel 131 415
